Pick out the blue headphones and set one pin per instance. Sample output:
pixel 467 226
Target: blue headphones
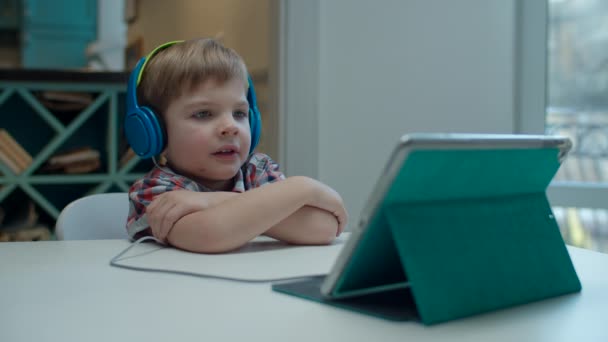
pixel 143 128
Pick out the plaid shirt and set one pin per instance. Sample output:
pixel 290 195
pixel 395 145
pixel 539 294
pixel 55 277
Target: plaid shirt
pixel 257 171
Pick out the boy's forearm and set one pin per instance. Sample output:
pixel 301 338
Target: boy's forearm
pixel 235 221
pixel 308 225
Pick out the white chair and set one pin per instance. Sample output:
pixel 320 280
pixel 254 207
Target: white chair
pixel 94 217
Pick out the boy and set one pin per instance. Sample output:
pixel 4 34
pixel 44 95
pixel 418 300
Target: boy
pixel 214 194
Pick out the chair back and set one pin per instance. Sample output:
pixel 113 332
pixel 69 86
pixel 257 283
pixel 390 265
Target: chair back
pixel 94 217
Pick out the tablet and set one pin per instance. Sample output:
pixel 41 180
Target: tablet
pixel 456 225
pixel 436 167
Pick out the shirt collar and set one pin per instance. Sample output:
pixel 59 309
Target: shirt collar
pixel 239 180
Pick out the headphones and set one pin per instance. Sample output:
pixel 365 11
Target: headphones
pixel 144 129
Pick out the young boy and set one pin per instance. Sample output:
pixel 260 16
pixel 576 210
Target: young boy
pixel 214 194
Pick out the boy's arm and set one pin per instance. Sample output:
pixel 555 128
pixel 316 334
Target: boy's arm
pixel 308 225
pixel 238 219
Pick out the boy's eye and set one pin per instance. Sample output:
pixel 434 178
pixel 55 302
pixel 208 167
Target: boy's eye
pixel 240 114
pixel 202 114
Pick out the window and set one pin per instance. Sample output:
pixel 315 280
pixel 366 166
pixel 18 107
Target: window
pixel 577 106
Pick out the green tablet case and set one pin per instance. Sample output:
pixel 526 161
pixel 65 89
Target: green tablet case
pixel 459 232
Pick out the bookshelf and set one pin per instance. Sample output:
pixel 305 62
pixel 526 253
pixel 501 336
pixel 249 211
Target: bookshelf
pixel 45 131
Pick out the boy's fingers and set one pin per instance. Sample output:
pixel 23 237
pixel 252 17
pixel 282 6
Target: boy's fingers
pixel 173 215
pixel 168 220
pixel 156 212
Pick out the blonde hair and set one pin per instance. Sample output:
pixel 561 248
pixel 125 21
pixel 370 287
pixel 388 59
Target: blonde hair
pixel 181 67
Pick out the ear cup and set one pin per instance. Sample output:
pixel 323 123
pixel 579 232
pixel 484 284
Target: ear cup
pixel 143 129
pixel 255 118
pixel 144 132
pixel 255 123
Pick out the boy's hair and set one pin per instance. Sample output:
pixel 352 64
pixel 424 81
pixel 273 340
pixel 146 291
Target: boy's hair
pixel 182 66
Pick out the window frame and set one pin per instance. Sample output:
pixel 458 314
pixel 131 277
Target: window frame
pixel 531 100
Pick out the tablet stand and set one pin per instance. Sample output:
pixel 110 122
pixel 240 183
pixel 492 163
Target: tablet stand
pixel 464 241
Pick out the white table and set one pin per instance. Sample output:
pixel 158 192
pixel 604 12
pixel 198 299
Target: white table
pixel 66 291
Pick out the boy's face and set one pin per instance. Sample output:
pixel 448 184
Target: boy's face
pixel 208 133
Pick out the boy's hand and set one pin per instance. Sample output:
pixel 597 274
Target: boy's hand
pixel 328 199
pixel 169 207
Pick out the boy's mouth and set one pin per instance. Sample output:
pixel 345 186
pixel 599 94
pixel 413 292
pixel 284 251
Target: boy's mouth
pixel 226 151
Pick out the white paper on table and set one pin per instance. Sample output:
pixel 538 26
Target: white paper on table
pixel 263 259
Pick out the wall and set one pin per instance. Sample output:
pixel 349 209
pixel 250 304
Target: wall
pixel 155 23
pixel 390 67
pixel 243 25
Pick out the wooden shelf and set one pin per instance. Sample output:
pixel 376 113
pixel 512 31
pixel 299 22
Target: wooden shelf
pixel 43 132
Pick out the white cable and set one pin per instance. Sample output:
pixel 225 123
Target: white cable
pixel 156 163
pixel 114 262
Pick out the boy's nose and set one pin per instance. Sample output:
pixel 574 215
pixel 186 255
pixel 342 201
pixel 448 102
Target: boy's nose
pixel 232 130
pixel 229 127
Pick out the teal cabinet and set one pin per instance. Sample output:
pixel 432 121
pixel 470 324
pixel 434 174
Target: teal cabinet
pixel 49 49
pixel 60 15
pixel 55 34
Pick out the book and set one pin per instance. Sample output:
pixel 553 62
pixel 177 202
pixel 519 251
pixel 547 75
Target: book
pixel 65 101
pixel 38 232
pixel 77 160
pixel 11 153
pixel 68 97
pixel 9 162
pixel 82 167
pixel 10 146
pixel 74 156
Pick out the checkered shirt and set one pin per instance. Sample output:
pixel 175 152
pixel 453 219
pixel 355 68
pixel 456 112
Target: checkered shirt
pixel 257 171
